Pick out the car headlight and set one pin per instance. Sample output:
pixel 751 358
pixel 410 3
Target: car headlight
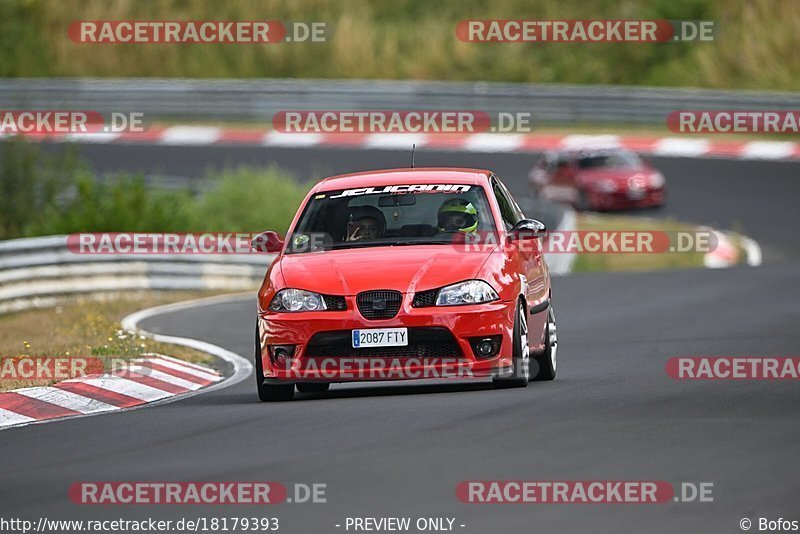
pixel 469 292
pixel 657 180
pixel 297 300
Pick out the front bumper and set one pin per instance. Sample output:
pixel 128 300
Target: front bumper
pixel 463 322
pixel 618 200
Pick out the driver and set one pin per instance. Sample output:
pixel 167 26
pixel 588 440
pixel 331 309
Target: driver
pixel 458 215
pixel 366 222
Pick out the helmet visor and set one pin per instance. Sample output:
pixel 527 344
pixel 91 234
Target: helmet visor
pixel 456 221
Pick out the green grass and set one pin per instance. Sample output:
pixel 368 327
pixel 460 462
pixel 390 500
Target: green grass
pixel 755 48
pixel 87 327
pixel 634 261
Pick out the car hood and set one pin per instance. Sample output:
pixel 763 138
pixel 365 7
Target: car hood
pixel 403 268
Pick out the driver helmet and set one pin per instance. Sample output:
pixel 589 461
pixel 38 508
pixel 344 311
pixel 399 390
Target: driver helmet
pixel 458 215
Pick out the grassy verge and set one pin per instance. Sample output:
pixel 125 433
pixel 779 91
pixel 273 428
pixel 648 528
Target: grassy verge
pixel 637 261
pixel 87 327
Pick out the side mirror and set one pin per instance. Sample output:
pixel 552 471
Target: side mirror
pixel 527 229
pixel 269 242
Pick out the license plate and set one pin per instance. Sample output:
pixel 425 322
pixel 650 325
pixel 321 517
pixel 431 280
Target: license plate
pixel 636 194
pixel 380 337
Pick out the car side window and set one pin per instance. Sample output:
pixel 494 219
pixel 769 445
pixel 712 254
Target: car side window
pixel 509 210
pixel 517 210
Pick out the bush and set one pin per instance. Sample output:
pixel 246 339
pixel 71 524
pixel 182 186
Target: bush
pixel 248 199
pixel 45 195
pixel 30 183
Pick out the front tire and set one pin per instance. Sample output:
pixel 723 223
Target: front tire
pixel 583 203
pixel 269 392
pixel 520 373
pixel 546 364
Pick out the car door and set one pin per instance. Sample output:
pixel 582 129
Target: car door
pixel 529 258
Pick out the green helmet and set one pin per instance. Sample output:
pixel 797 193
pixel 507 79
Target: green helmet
pixel 448 220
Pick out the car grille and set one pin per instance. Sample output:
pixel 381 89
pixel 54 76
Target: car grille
pixel 335 302
pixel 424 299
pixel 382 304
pixel 425 342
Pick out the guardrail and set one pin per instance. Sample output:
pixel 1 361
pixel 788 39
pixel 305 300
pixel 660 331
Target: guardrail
pixel 260 99
pixel 37 272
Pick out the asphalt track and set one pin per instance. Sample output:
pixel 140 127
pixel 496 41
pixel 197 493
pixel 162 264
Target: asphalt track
pixel 400 450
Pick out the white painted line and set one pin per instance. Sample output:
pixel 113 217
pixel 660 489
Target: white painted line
pixel 183 363
pixel 124 386
pixel 579 141
pixel 93 137
pixel 292 139
pixel 491 142
pixel 769 149
pixel 164 377
pixel 8 417
pixel 242 368
pixel 725 253
pixel 673 146
pixel 190 135
pixel 181 368
pixel 561 263
pixel 752 250
pixel 66 399
pixel 396 141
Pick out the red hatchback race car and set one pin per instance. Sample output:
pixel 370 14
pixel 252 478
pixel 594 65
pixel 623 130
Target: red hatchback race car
pixel 405 274
pixel 601 179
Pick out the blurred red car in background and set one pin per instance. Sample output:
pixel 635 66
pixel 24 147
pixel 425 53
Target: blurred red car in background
pixel 598 179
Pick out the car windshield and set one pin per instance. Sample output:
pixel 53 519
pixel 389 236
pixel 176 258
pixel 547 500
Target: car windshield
pixel 609 160
pixel 392 215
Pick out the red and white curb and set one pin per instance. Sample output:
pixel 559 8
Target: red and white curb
pixel 153 379
pixel 145 380
pixel 688 146
pixel 726 254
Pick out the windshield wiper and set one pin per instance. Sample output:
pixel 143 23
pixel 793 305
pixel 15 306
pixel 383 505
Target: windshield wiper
pixel 358 244
pixel 432 242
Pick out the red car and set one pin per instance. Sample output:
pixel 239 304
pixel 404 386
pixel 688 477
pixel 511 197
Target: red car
pixel 606 179
pixel 405 274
